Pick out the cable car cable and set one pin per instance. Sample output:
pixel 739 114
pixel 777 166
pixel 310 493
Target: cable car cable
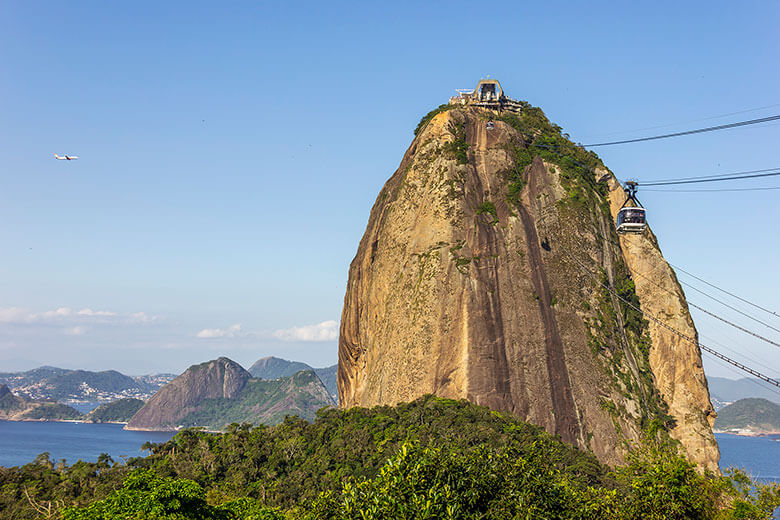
pixel 766 188
pixel 758 382
pixel 678 268
pixel 690 132
pixel 672 329
pixel 646 277
pixel 772 372
pixel 713 179
pixel 642 275
pixel 714 176
pixel 689 121
pixel 724 290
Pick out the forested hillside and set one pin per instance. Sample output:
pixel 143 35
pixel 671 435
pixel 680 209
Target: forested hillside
pixel 756 415
pixel 117 411
pixel 432 458
pixel 62 384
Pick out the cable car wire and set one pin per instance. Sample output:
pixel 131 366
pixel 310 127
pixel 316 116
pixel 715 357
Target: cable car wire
pixel 660 323
pixel 712 314
pixel 758 382
pixel 755 362
pixel 724 291
pixel 713 176
pixel 712 179
pixel 642 275
pixel 767 188
pixel 690 132
pixel 688 121
pixel 685 336
pixel 647 277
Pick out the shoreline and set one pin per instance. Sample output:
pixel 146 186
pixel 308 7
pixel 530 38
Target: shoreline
pixel 748 433
pixel 81 421
pixel 132 429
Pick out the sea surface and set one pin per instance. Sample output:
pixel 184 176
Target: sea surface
pixel 758 456
pixel 21 442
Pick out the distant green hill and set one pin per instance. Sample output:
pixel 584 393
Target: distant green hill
pixel 275 368
pixel 18 408
pixel 219 392
pixel 758 415
pixel 49 411
pixel 328 377
pixel 266 402
pixel 60 384
pixel 117 411
pixel 725 391
pixel 10 403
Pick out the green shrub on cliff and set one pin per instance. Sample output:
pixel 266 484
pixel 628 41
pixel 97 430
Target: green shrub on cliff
pixel 430 115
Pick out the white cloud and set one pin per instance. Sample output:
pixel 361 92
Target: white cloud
pixel 325 331
pixel 231 332
pixel 76 331
pixel 90 312
pixel 65 315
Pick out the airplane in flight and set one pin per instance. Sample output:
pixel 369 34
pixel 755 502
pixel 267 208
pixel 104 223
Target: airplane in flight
pixel 65 157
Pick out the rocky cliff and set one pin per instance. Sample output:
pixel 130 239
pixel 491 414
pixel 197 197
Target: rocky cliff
pixel 490 270
pixel 221 392
pixel 220 378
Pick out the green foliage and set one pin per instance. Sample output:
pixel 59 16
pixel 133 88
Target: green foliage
pixel 757 413
pixel 658 483
pixel 458 149
pixel 120 410
pixel 462 265
pixel 432 458
pixel 146 496
pixel 544 139
pixel 430 115
pixel 433 483
pixel 488 208
pixel 750 500
pixel 52 412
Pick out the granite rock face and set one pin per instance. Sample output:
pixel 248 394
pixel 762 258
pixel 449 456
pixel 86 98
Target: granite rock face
pixel 483 274
pixel 220 378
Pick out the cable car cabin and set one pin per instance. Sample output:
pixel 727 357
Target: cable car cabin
pixel 489 125
pixel 631 220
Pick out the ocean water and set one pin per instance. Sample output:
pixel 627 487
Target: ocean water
pixel 758 456
pixel 22 441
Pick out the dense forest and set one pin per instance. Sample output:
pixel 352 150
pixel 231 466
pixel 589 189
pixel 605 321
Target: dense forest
pixel 432 458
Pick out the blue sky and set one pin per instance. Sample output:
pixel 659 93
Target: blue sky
pixel 230 154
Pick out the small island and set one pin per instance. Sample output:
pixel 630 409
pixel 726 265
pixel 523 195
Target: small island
pixel 751 417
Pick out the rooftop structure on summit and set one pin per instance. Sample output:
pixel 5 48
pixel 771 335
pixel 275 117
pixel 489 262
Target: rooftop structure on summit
pixel 487 94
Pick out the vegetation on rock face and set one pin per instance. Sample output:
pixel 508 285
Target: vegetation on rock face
pixel 430 115
pixel 489 208
pixel 432 458
pixel 759 415
pixel 261 401
pixel 623 351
